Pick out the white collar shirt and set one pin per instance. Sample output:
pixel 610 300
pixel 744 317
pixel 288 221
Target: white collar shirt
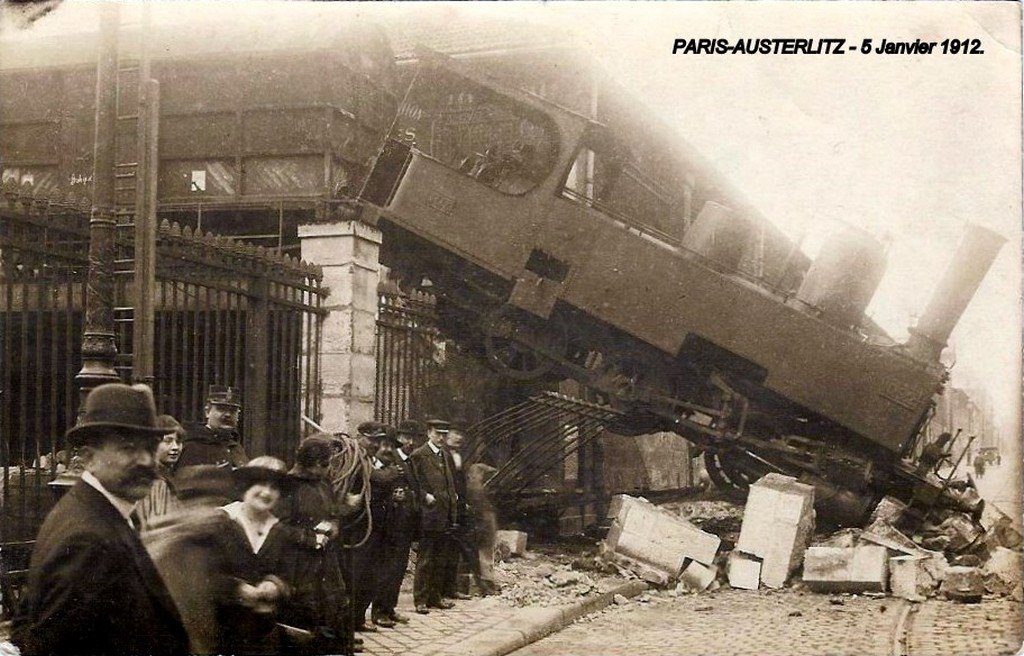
pixel 123 506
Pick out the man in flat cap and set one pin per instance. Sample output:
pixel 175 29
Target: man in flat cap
pixel 92 588
pixel 435 471
pixel 216 442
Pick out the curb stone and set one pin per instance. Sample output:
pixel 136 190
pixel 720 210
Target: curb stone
pixel 532 624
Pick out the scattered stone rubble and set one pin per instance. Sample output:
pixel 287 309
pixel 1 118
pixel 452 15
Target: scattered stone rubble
pixel 776 545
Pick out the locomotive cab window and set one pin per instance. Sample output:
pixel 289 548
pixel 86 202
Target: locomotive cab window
pixel 606 177
pixel 484 135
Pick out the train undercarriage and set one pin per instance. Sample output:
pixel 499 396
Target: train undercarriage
pixel 706 394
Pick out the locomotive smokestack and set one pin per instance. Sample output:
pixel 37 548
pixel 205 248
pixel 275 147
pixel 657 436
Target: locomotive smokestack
pixel 978 248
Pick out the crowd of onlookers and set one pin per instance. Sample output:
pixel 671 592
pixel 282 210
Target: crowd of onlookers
pixel 175 542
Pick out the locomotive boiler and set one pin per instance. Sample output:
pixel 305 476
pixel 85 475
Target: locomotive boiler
pixel 554 251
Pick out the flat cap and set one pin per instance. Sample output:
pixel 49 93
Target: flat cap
pixel 440 425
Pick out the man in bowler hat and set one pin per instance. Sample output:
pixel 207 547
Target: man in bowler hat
pixel 435 471
pixel 403 524
pixel 92 588
pixel 216 442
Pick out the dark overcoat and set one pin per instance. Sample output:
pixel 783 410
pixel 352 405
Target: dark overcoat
pixel 92 588
pixel 204 446
pixel 436 476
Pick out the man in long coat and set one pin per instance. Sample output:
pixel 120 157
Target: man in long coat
pixel 92 588
pixel 435 472
pixel 402 523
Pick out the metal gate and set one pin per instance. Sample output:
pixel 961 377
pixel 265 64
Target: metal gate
pixel 407 351
pixel 225 313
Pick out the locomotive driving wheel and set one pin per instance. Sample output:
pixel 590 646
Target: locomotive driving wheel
pixel 520 346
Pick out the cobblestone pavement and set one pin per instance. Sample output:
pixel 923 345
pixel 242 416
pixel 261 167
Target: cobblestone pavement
pixel 788 622
pixel 995 626
pixel 439 627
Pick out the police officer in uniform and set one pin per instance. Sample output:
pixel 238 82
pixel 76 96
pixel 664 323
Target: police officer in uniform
pixel 216 442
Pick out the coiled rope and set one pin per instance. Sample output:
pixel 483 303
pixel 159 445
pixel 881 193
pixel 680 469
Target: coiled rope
pixel 350 466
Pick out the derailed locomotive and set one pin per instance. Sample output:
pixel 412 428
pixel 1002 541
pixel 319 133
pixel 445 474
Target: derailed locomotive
pixel 553 254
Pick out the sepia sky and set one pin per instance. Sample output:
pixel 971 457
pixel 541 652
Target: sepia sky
pixel 908 147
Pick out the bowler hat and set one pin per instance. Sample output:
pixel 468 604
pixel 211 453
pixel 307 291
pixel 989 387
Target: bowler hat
pixel 412 427
pixel 126 408
pixel 440 425
pixel 372 429
pixel 223 395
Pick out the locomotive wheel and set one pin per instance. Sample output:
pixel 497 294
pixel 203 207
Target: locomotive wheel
pixel 733 471
pixel 521 347
pixel 718 476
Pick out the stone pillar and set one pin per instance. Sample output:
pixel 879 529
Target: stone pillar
pixel 347 251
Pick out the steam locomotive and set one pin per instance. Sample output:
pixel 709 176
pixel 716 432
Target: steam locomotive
pixel 554 253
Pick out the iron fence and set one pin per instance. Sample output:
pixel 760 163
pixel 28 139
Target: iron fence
pixel 225 313
pixel 407 355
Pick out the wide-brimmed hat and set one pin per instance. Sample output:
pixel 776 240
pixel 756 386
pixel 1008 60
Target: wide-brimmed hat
pixel 264 469
pixel 223 395
pixel 199 481
pixel 127 409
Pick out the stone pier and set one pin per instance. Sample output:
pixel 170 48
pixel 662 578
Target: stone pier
pixel 348 253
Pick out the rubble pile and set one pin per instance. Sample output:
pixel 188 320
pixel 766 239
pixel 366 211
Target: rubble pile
pixel 549 576
pixel 771 542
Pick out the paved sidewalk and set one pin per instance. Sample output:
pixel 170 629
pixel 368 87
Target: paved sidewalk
pixel 486 626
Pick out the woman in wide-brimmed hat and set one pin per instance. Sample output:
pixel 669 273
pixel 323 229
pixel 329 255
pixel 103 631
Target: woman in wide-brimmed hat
pixel 255 544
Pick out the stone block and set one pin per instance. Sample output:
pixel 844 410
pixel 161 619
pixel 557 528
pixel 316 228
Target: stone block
pixel 744 571
pixel 697 577
pixel 964 584
pixel 912 577
pixel 1003 571
pixel 514 541
pixel 889 510
pixel 778 523
pixel 883 534
pixel 838 569
pixel 644 532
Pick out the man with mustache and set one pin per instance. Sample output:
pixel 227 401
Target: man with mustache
pixel 216 442
pixel 92 588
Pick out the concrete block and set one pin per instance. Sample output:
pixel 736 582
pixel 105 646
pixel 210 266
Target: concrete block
pixel 657 537
pixel 837 569
pixel 514 541
pixel 778 523
pixel 744 571
pixel 697 577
